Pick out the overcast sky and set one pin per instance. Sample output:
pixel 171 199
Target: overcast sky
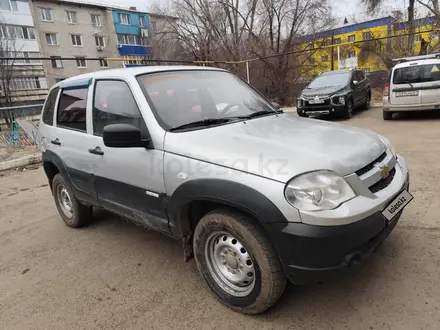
pixel 340 8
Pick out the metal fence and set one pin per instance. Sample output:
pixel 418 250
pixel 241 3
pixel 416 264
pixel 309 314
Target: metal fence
pixel 16 138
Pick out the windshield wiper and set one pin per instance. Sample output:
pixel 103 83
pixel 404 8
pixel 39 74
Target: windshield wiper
pixel 201 123
pixel 407 82
pixel 259 113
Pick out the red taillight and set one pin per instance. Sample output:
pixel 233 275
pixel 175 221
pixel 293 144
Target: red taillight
pixel 386 90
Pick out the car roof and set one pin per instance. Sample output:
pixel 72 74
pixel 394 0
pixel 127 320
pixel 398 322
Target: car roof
pixel 343 71
pixel 417 62
pixel 134 71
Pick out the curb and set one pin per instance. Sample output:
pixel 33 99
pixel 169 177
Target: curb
pixel 20 162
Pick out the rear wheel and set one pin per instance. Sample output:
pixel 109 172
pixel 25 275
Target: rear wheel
pixel 387 115
pixel 73 213
pixel 238 262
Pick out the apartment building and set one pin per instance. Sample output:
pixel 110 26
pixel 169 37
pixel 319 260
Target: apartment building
pixel 22 79
pixel 74 29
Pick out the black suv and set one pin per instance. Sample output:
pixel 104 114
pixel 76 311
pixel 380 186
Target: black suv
pixel 336 93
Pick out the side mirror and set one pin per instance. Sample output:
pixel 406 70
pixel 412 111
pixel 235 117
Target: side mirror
pixel 123 136
pixel 276 105
pixel 355 82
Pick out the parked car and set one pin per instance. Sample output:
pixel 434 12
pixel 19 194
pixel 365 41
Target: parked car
pixel 255 195
pixel 336 93
pixel 413 85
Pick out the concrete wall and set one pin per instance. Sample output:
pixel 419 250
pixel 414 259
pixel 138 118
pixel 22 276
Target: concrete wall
pixel 64 30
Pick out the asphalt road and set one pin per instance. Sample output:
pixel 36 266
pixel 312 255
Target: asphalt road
pixel 113 275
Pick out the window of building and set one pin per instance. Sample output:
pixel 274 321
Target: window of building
pixel 124 19
pixel 96 19
pixel 352 38
pixel 324 58
pixel 49 107
pixel 103 63
pixel 28 32
pixel 46 14
pixel 71 17
pixel 352 54
pixel 337 41
pixel 9 5
pixel 128 39
pixel 76 40
pixel 154 26
pixel 142 21
pixel 311 60
pixel 81 62
pixel 17 32
pixel 51 39
pixel 114 104
pixel 24 83
pixel 26 57
pixel 99 41
pixel 367 35
pixel 72 109
pixel 56 61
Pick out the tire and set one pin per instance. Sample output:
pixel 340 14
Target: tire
pixel 65 200
pixel 349 111
pixel 366 105
pixel 303 115
pixel 250 254
pixel 387 115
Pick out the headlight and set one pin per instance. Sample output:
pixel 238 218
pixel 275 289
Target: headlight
pixel 299 102
pixel 341 99
pixel 338 100
pixel 388 145
pixel 320 190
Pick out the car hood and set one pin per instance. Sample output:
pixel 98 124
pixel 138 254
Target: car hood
pixel 327 90
pixel 280 147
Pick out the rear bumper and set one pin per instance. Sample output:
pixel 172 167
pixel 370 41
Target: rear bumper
pixel 313 253
pixel 388 107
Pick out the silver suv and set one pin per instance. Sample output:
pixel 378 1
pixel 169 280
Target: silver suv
pixel 257 196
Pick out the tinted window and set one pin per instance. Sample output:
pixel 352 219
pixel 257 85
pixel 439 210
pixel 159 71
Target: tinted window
pixel 114 104
pixel 328 80
pixel 49 107
pixel 72 109
pixel 417 74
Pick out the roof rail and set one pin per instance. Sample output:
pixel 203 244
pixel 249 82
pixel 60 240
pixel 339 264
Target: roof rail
pixel 415 58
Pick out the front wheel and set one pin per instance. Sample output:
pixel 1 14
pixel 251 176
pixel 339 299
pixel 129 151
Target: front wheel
pixel 238 262
pixel 349 110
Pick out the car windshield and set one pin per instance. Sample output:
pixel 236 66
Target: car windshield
pixel 330 80
pixel 182 97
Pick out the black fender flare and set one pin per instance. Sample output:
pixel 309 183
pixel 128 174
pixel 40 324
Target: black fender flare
pixel 225 192
pixel 49 159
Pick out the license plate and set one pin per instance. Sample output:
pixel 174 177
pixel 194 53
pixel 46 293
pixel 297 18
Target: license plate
pixel 409 93
pixel 397 205
pixel 316 101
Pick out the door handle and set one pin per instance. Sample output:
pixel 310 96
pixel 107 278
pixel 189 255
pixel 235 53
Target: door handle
pixel 56 142
pixel 96 151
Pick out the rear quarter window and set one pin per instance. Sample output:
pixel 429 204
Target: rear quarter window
pixel 49 107
pixel 416 74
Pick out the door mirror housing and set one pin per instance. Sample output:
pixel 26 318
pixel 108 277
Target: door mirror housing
pixel 276 105
pixel 124 136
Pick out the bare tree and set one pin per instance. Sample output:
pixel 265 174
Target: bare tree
pixel 8 56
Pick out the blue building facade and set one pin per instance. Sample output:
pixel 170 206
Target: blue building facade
pixel 133 32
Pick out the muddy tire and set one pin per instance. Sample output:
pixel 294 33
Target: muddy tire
pixel 238 262
pixel 73 213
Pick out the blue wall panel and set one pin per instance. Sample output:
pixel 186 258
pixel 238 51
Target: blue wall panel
pixel 134 50
pixel 134 27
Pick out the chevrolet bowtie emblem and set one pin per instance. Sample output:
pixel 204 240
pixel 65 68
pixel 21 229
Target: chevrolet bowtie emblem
pixel 384 171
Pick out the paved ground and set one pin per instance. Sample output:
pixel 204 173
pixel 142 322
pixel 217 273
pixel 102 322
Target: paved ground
pixel 113 275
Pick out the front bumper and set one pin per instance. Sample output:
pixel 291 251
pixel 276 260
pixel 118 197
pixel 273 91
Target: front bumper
pixel 311 253
pixel 322 109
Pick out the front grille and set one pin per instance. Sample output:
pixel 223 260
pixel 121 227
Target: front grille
pixel 370 166
pixel 383 183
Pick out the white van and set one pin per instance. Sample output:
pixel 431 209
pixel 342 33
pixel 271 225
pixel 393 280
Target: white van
pixel 413 85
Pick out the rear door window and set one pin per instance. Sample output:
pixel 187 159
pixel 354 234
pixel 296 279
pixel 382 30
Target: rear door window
pixel 416 74
pixel 49 107
pixel 72 109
